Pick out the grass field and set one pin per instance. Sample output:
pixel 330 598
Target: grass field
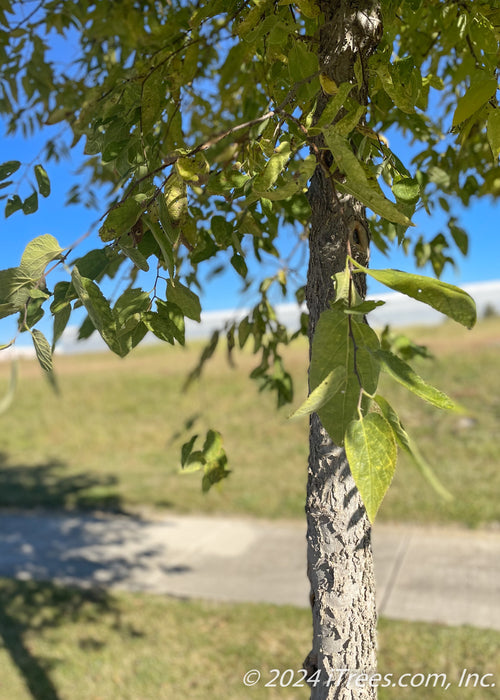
pixel 70 644
pixel 112 438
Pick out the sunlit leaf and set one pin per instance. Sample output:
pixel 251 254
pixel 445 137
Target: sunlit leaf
pixel 406 444
pixel 494 131
pixel 476 96
pixel 340 341
pixel 120 219
pixel 371 451
pixel 38 254
pixel 446 298
pixel 405 375
pixel 44 355
pixel 153 100
pixel 98 310
pixel 273 168
pixel 185 299
pixel 42 180
pixel 330 385
pixel 357 182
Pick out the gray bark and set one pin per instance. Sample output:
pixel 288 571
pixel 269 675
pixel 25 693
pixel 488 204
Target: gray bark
pixel 340 563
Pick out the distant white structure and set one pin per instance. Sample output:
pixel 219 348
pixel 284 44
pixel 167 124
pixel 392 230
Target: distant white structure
pixel 398 310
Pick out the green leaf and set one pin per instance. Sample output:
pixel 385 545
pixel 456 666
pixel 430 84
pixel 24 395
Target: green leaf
pixel 309 8
pixel 61 319
pixel 494 131
pixel 190 169
pixel 222 230
pixel 460 237
pixel 350 121
pixel 404 442
pixel 92 264
pixel 160 325
pixel 371 451
pixel 14 204
pixel 152 101
pixel 187 301
pixel 42 180
pixel 349 343
pixel 133 302
pixel 402 89
pixel 239 264
pixel 407 190
pixel 121 219
pixel 302 63
pixel 42 349
pixel 446 298
pixel 216 460
pixel 357 183
pixel 345 290
pixel 136 257
pixel 405 375
pixel 187 448
pixel 33 313
pixel 330 385
pixel 213 448
pixel 212 459
pixel 194 462
pixel 163 242
pixel 364 307
pixel 44 355
pixel 98 310
pixel 15 288
pixel 173 316
pixel 175 199
pixel 8 168
pixel 476 96
pixel 273 168
pixel 64 293
pixel 37 293
pixel 86 329
pixel 30 204
pixel 37 255
pixel 334 105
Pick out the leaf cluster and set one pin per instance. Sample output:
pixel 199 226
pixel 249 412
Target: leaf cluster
pixel 346 360
pixel 206 122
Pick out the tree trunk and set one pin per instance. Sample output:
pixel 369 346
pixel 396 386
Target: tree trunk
pixel 340 563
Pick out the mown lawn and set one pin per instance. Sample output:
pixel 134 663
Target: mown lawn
pixel 112 438
pixel 71 644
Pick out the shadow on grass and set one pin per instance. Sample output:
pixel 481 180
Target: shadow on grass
pixel 28 606
pixel 50 486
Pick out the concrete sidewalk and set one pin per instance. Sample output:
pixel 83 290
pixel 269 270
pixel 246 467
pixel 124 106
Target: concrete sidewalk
pixel 447 575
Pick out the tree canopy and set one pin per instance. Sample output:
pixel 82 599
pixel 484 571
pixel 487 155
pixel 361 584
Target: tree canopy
pixel 206 122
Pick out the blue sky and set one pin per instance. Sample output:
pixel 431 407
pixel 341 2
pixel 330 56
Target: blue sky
pixel 69 223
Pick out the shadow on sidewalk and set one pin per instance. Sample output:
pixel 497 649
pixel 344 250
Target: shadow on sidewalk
pixel 49 485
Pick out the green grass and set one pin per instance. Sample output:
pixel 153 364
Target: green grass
pixel 70 644
pixel 112 438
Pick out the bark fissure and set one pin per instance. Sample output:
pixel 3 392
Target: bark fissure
pixel 340 564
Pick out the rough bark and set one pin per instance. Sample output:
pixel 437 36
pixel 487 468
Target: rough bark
pixel 340 564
